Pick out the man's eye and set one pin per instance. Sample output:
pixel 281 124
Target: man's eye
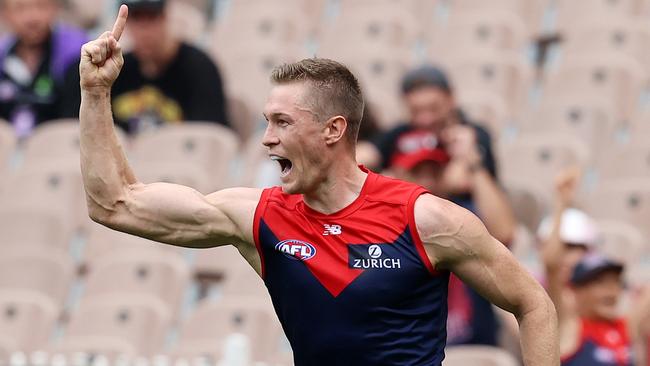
pixel 282 123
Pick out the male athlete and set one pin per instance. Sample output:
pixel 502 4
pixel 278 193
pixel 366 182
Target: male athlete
pixel 356 264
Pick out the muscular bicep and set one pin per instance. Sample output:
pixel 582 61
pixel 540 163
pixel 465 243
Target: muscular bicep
pixel 456 240
pixel 179 215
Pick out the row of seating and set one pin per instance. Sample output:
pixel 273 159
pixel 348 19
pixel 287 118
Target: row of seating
pixel 572 132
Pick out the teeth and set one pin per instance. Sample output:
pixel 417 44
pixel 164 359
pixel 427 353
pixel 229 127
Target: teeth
pixel 275 157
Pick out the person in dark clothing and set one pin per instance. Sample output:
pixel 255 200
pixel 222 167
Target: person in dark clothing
pixel 468 177
pixel 33 60
pixel 163 79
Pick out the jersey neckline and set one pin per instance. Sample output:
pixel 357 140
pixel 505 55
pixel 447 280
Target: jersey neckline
pixel 347 210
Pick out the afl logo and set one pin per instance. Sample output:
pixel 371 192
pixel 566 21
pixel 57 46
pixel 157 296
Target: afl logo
pixel 296 249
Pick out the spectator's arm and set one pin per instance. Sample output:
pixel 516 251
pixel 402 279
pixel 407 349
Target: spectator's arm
pixel 492 205
pixel 208 101
pixel 476 158
pixel 553 248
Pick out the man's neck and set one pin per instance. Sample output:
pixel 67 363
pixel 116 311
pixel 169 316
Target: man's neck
pixel 154 67
pixel 31 55
pixel 342 186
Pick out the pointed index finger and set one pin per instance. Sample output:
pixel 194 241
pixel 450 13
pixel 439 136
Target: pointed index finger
pixel 120 22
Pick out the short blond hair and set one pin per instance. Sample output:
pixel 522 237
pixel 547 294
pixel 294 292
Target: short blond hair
pixel 335 90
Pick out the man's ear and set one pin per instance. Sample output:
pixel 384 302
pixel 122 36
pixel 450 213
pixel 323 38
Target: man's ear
pixel 335 129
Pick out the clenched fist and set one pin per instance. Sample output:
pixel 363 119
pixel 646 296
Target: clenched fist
pixel 101 59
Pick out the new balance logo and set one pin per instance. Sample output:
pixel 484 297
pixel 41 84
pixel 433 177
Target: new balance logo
pixel 332 230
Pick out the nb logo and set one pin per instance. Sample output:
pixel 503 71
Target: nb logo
pixel 332 230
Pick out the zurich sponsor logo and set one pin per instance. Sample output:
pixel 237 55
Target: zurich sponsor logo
pixel 371 257
pixel 296 249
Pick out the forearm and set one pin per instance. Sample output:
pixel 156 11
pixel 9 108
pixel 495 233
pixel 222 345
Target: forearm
pixel 105 170
pixel 493 206
pixel 538 329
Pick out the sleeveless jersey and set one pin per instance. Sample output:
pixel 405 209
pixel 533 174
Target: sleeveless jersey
pixel 354 287
pixel 602 344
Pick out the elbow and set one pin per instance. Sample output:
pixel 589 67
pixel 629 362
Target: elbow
pixel 538 306
pixel 99 214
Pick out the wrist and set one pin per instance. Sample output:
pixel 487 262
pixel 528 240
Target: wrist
pixel 95 92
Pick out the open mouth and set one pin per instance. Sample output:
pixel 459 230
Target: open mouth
pixel 285 165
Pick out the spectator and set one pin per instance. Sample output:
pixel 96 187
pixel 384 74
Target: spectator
pixel 470 176
pixel 33 60
pixel 163 79
pixel 591 330
pixel 471 319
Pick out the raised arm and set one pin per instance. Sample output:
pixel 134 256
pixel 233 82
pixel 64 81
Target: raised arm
pixel 163 212
pixel 553 249
pixel 456 240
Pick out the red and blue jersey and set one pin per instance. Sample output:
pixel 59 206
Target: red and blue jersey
pixel 354 287
pixel 602 343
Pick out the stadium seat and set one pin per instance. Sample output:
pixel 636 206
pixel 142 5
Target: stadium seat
pixel 535 160
pixel 244 282
pixel 257 169
pixel 103 242
pixel 56 139
pixel 247 67
pixel 206 145
pixel 253 317
pixel 27 320
pixel 640 125
pixel 271 21
pixel 486 109
pixel 589 118
pixel 47 271
pixel 381 25
pixel 52 186
pixel 531 12
pixel 622 241
pixel 163 275
pixel 478 356
pixel 116 324
pixel 569 12
pixel 631 160
pixel 500 30
pixel 422 10
pixel 620 35
pixel 621 199
pixel 176 172
pixel 528 202
pixel 219 262
pixel 380 74
pixel 7 143
pixel 505 74
pixel 27 227
pixel 619 78
pixel 243 120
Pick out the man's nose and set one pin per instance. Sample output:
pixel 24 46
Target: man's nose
pixel 269 138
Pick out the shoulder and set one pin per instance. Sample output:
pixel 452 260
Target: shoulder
pixel 438 216
pixel 448 230
pixel 237 194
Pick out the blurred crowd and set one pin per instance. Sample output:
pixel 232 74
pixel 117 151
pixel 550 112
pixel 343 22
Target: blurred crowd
pixel 463 98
